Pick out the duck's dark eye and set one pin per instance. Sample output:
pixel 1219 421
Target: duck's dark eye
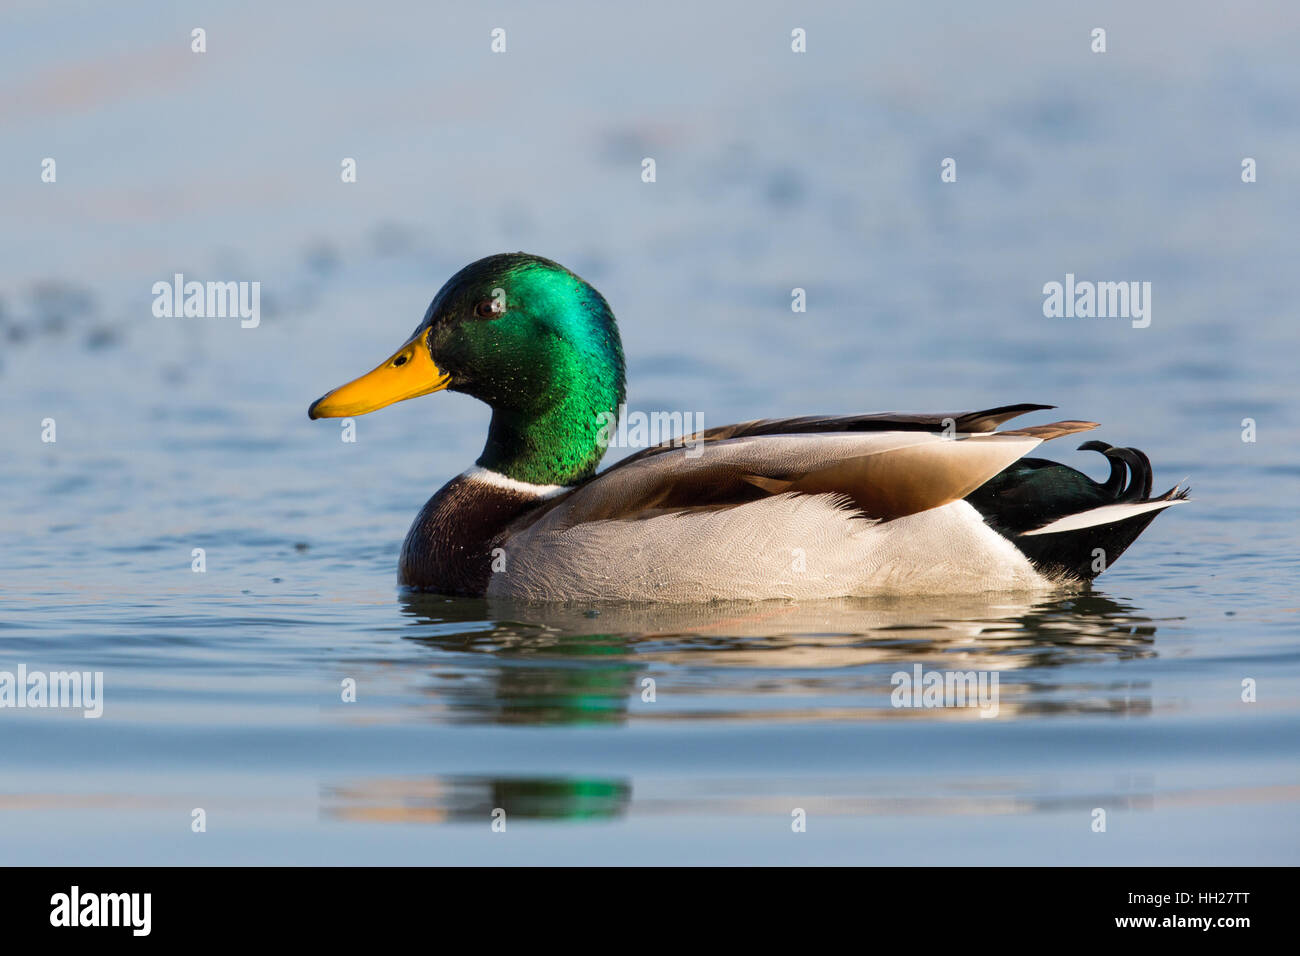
pixel 400 360
pixel 487 309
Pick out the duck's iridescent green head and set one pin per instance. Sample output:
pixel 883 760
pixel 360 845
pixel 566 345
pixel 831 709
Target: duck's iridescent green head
pixel 531 339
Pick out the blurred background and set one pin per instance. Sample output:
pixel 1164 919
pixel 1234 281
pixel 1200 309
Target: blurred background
pixel 774 170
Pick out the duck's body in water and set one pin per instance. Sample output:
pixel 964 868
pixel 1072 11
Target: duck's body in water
pixel 780 508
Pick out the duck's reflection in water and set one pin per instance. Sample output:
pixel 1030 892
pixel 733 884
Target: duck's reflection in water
pixel 474 799
pixel 511 663
pixel 496 663
pixel 481 800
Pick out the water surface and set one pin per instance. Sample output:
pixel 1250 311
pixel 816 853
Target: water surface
pixel 223 690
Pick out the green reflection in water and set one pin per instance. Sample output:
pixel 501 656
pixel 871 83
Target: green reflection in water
pixel 474 799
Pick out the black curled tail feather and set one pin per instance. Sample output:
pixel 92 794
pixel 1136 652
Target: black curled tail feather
pixel 1118 472
pixel 1034 492
pixel 1138 466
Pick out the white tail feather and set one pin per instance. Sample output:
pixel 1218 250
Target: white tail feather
pixel 1106 514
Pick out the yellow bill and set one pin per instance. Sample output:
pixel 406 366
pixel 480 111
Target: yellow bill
pixel 407 373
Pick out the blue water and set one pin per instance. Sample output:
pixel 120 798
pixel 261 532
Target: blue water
pixel 775 170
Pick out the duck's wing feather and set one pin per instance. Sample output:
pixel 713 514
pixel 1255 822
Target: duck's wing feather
pixel 968 423
pixel 879 474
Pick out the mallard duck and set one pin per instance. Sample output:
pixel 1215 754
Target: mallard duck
pixel 807 507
